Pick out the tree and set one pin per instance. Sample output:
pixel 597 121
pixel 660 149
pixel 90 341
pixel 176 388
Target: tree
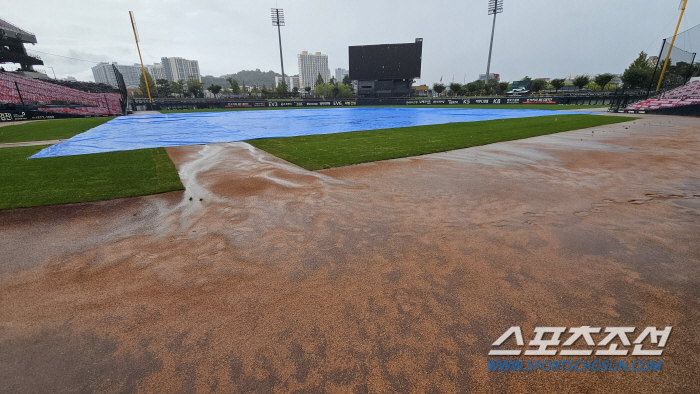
pixel 234 85
pixel 344 90
pixel 454 88
pixel 438 88
pixel 602 80
pixel 178 87
pixel 502 88
pixel 308 89
pixel 557 84
pixel 163 87
pixel 492 86
pixel 346 80
pixel 581 81
pixel 323 90
pixel 538 84
pixel 194 87
pixel 676 74
pixel 319 80
pixel 472 88
pixel 333 80
pixel 639 73
pixel 282 89
pixel 295 91
pixel 526 78
pixel 151 85
pixel 215 89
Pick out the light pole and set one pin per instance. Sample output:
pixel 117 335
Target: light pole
pixel 278 20
pixel 495 7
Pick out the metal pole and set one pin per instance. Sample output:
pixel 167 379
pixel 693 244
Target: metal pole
pixel 107 104
pixel 279 34
pixel 690 69
pixel 668 56
pixel 145 79
pixel 651 83
pixel 493 29
pixel 20 94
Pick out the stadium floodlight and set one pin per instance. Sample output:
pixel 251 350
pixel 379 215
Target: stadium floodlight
pixel 495 7
pixel 278 20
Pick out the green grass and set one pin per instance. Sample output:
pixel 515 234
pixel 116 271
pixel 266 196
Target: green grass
pixel 555 107
pixel 317 152
pixel 54 129
pixel 60 180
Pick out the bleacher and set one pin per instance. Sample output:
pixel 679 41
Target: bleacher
pixel 687 94
pixel 56 98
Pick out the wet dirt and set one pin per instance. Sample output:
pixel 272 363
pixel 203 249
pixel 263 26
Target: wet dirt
pixel 387 277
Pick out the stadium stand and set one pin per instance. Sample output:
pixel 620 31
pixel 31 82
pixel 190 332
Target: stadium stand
pixel 28 90
pixel 12 49
pixel 17 89
pixel 685 95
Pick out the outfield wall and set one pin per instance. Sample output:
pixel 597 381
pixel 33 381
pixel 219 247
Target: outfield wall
pixel 16 115
pixel 165 104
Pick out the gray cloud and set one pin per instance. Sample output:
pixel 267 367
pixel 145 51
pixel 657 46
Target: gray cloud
pixel 539 38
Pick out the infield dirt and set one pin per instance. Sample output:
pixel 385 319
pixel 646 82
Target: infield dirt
pixel 388 277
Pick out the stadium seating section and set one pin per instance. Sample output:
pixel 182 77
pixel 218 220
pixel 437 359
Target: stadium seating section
pixel 51 97
pixel 685 95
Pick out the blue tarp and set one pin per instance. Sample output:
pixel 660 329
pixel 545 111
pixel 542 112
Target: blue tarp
pixel 162 130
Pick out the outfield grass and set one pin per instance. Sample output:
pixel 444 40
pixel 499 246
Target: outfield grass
pixel 60 180
pixel 553 107
pixel 317 152
pixel 54 129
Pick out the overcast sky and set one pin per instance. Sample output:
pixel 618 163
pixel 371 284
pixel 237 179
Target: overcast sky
pixel 538 38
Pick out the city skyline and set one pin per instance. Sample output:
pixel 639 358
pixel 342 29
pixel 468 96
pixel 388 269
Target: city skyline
pixel 171 68
pixel 540 38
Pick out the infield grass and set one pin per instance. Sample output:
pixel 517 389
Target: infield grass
pixel 53 129
pixel 315 152
pixel 67 179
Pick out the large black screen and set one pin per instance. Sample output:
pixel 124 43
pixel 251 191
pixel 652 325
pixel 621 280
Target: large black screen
pixel 385 61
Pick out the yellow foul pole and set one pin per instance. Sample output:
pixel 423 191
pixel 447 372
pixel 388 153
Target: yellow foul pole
pixel 668 56
pixel 143 69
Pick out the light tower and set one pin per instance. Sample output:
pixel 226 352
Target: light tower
pixel 495 7
pixel 278 20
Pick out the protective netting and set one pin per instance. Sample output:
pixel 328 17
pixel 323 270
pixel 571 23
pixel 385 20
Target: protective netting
pixel 688 40
pixel 679 68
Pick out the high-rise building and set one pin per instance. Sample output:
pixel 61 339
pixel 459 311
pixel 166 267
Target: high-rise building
pixel 177 68
pixel 340 73
pixel 103 73
pixel 156 70
pixel 292 81
pixel 310 66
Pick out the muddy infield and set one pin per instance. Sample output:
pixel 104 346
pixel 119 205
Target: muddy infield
pixel 390 277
